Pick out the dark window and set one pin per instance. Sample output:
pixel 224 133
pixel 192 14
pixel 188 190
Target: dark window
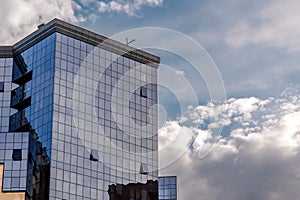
pixel 144 195
pixel 1 87
pixel 143 92
pixel 17 154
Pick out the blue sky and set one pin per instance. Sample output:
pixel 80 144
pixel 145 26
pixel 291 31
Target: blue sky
pixel 255 46
pixel 234 33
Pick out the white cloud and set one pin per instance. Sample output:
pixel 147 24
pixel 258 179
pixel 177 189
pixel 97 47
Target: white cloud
pixel 179 73
pixel 20 17
pixel 232 111
pixel 258 160
pixel 128 7
pixel 276 24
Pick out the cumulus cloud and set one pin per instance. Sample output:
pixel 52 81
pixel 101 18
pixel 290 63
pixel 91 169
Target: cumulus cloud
pixel 20 17
pixel 258 159
pixel 276 24
pixel 129 7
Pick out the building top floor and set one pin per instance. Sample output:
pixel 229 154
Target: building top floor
pixel 89 37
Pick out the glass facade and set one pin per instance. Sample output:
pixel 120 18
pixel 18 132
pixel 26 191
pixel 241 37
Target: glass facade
pixel 98 108
pixel 83 115
pixel 9 195
pixel 167 188
pixel 6 65
pixel 15 171
pixel 33 71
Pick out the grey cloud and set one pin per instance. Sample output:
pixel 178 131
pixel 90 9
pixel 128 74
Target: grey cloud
pixel 277 26
pixel 258 162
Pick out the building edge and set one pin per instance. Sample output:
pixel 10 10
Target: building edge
pixel 59 26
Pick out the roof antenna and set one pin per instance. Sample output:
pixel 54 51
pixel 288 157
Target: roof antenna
pixel 41 25
pixel 128 42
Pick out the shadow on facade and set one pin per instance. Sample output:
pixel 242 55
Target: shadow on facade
pixel 134 191
pixel 38 175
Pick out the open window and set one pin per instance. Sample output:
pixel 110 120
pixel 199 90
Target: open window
pixel 94 155
pixel 1 86
pixel 144 169
pixel 143 92
pixel 17 154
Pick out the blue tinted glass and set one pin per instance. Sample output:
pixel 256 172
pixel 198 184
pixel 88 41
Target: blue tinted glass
pixel 1 87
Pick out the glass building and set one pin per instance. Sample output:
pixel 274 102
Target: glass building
pixel 167 188
pixel 78 117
